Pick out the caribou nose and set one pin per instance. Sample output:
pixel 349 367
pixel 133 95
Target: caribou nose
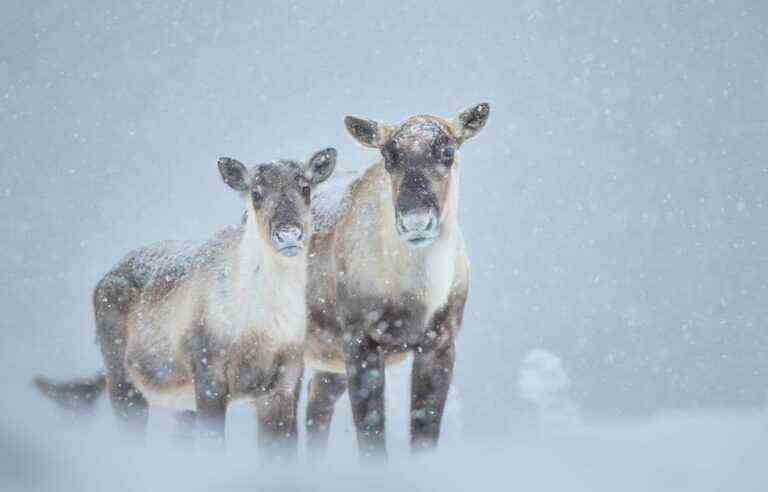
pixel 288 234
pixel 419 221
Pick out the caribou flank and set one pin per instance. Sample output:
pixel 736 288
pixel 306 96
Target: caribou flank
pixel 194 327
pixel 389 274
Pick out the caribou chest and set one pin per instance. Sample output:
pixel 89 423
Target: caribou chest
pixel 396 295
pixel 251 297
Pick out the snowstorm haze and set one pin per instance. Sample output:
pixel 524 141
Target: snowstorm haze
pixel 615 209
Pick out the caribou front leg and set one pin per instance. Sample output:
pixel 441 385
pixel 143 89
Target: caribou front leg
pixel 278 433
pixel 433 371
pixel 365 377
pixel 430 382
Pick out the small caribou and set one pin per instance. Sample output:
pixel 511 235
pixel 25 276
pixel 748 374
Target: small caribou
pixel 194 327
pixel 389 274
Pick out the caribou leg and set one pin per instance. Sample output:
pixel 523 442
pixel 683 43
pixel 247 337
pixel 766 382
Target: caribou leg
pixel 325 388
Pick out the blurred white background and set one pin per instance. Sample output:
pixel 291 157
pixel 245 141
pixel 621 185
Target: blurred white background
pixel 614 207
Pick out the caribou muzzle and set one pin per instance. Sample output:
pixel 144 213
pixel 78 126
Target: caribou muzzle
pixel 287 238
pixel 416 211
pixel 418 227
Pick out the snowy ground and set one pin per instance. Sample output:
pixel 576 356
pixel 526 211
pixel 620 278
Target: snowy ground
pixel 47 450
pixel 702 453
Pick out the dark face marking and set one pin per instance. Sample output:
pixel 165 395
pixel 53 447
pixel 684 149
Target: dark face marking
pixel 280 194
pixel 419 158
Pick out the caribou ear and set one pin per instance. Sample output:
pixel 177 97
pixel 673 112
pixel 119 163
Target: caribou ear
pixel 368 132
pixel 233 173
pixel 320 166
pixel 471 121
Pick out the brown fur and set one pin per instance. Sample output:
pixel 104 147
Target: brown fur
pixel 372 298
pixel 199 326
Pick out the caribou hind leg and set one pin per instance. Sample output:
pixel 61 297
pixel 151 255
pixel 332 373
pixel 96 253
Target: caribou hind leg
pixel 324 391
pixel 128 404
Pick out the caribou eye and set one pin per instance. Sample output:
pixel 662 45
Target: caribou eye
pixel 257 196
pixel 391 162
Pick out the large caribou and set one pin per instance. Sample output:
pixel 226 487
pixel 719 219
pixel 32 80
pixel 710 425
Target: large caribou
pixel 389 275
pixel 194 327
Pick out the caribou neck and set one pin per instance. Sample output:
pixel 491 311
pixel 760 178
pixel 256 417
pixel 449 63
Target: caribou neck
pixel 256 259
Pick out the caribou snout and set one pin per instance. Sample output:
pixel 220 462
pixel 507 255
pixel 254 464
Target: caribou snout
pixel 418 227
pixel 288 239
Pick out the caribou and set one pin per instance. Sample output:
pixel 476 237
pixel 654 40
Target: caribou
pixel 389 275
pixel 196 326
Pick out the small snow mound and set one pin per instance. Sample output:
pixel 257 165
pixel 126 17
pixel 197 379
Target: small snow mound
pixel 331 198
pixel 542 380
